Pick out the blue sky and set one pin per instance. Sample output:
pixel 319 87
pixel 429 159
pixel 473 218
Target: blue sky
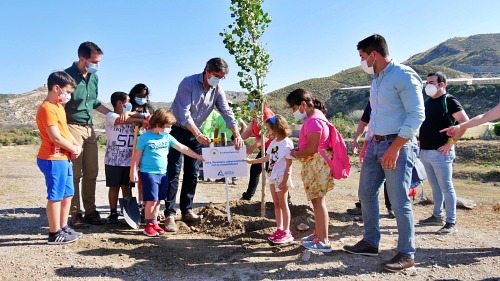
pixel 160 42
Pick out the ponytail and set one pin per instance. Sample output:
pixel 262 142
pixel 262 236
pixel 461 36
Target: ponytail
pixel 298 96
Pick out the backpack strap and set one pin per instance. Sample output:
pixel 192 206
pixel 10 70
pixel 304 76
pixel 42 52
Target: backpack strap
pixel 445 109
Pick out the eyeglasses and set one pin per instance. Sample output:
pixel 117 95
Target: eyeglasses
pixel 218 76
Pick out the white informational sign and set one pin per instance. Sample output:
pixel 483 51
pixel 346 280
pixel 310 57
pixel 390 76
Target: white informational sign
pixel 222 162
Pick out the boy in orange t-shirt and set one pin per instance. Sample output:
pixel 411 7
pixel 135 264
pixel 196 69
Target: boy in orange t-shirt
pixel 57 149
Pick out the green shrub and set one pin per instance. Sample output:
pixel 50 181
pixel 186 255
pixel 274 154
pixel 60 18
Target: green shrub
pixel 496 129
pixel 346 127
pixel 101 140
pixel 19 137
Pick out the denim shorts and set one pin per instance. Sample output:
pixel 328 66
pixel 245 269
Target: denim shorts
pixel 58 178
pixel 154 186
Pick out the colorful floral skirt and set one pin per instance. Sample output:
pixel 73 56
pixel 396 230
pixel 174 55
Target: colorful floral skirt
pixel 316 175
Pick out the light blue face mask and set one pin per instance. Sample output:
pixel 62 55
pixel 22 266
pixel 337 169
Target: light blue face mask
pixel 141 101
pixel 92 68
pixel 128 107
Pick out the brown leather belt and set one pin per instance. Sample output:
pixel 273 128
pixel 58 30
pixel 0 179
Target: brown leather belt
pixel 386 137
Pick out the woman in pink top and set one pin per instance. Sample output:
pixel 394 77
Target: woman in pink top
pixel 316 174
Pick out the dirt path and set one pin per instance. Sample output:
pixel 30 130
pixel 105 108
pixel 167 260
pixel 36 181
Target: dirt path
pixel 218 250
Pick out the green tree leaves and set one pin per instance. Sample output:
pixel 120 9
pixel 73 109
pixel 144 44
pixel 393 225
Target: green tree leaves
pixel 242 40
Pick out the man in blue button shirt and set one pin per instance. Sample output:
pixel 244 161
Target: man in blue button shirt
pixel 196 98
pixel 397 113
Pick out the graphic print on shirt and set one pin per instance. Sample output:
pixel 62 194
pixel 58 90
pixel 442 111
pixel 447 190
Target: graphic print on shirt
pixel 274 157
pixel 119 142
pixel 158 145
pixel 119 147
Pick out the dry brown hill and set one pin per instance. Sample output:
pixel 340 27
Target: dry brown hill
pixel 21 109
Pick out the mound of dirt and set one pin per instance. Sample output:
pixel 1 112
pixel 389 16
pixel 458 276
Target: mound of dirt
pixel 246 221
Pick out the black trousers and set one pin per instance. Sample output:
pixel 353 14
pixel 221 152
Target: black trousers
pixel 253 181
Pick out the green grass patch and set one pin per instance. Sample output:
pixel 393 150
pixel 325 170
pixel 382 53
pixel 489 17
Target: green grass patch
pixel 19 137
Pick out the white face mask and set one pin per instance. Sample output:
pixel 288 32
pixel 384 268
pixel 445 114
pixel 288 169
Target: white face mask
pixel 213 81
pixel 165 131
pixel 431 90
pixel 366 68
pixel 299 116
pixel 64 97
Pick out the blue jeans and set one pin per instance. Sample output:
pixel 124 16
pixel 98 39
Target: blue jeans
pixel 398 184
pixel 439 169
pixel 189 179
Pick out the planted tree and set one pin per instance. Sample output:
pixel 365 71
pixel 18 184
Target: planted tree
pixel 242 40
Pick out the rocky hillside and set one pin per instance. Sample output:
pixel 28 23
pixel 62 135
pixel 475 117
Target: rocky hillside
pixel 477 54
pixel 19 110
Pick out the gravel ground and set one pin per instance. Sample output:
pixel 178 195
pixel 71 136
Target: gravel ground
pixel 218 250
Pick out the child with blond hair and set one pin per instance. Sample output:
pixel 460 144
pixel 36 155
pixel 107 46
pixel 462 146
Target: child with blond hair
pixel 279 175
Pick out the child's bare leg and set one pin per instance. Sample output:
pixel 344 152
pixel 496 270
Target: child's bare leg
pixel 113 197
pixel 277 208
pixel 65 206
pixel 285 211
pixel 150 208
pixel 125 190
pixel 321 218
pixel 54 215
pixel 156 209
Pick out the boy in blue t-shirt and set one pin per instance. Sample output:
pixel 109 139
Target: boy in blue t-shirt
pixel 150 160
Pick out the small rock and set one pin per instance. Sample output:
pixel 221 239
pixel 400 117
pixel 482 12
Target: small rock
pixel 362 270
pixel 302 227
pixel 341 268
pixel 306 256
pixel 448 266
pixel 465 203
pixel 104 240
pixel 413 273
pixel 274 270
pixel 320 274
